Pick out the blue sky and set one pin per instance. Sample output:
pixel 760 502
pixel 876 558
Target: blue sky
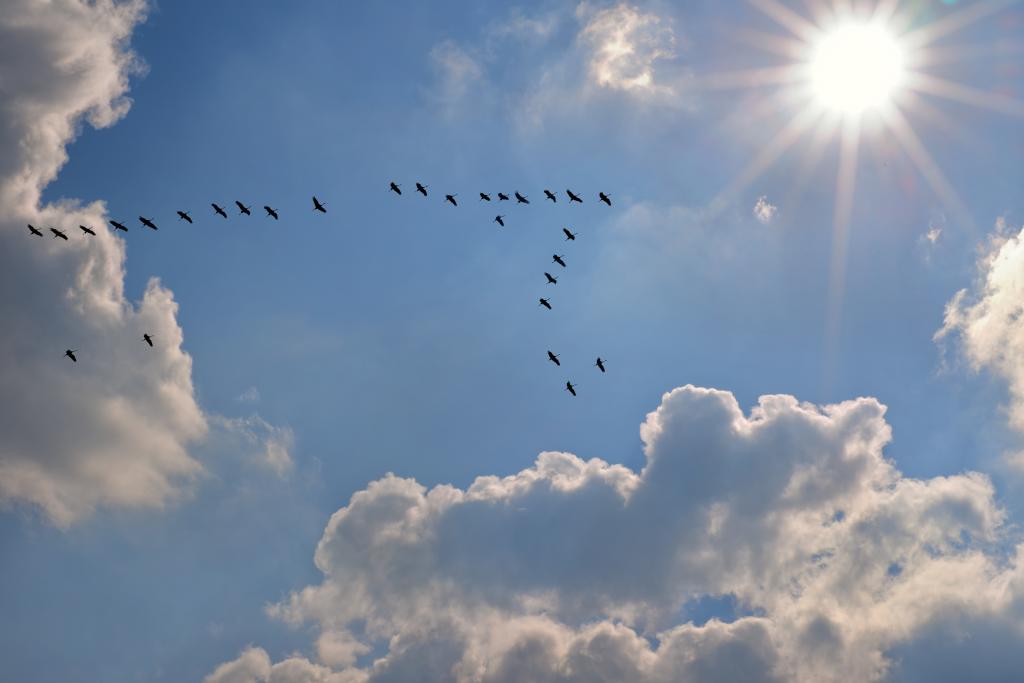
pixel 400 334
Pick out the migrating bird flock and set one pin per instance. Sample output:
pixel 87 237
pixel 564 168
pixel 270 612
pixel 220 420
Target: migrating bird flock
pixel 321 207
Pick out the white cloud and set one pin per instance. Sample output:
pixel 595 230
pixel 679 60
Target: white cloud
pixel 256 440
pixel 250 395
pixel 458 74
pixel 625 45
pixel 989 318
pixel 576 570
pixel 764 211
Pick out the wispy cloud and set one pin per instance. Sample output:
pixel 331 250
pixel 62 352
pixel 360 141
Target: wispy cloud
pixel 764 211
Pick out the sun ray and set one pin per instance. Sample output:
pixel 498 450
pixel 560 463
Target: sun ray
pixel 823 132
pixel 953 23
pixel 933 85
pixel 788 19
pixel 784 46
pixel 749 78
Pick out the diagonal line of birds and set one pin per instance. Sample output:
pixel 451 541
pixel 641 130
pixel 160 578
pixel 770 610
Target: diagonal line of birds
pixel 321 207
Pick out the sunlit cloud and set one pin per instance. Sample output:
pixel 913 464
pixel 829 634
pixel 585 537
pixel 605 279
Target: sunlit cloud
pixel 764 211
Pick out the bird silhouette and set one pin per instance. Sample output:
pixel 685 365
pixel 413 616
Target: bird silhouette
pixel 605 198
pixel 70 353
pixel 600 364
pixel 571 388
pixel 119 226
pixel 270 212
pixel 58 233
pixel 557 258
pixel 573 197
pixel 499 221
pixel 552 280
pixel 32 229
pixel 242 208
pixel 569 235
pixel 148 223
pixel 87 231
pixel 451 198
pixel 545 303
pixel 550 195
pixel 220 210
pixel 148 339
pixel 397 189
pixel 520 199
pixel 317 206
pixel 484 197
pixel 183 216
pixel 422 189
pixel 553 357
pixel 502 197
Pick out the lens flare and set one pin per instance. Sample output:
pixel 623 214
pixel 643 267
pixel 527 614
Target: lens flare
pixel 856 67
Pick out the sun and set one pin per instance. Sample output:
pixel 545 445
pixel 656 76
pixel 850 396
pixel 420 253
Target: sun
pixel 856 67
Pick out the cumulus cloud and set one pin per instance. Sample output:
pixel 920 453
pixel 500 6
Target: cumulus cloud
pixel 577 570
pixel 988 319
pixel 764 211
pixel 624 45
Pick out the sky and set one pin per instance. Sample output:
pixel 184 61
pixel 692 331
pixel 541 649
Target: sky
pixel 347 457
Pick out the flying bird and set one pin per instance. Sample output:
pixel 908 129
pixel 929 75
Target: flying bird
pixel 571 388
pixel 147 222
pixel 242 208
pixel 569 235
pixel 270 212
pixel 520 199
pixel 600 364
pixel 58 233
pixel 605 198
pixel 220 210
pixel 499 221
pixel 397 188
pixel 545 303
pixel 119 226
pixel 550 195
pixel 553 357
pixel 573 197
pixel 183 216
pixel 502 197
pixel 484 197
pixel 148 339
pixel 33 230
pixel 422 189
pixel 552 280
pixel 317 206
pixel 451 198
pixel 557 258
pixel 87 231
pixel 70 353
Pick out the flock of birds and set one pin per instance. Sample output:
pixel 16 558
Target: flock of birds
pixel 321 207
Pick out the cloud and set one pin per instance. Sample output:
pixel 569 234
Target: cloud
pixel 458 73
pixel 250 395
pixel 988 319
pixel 624 46
pixel 764 211
pixel 577 570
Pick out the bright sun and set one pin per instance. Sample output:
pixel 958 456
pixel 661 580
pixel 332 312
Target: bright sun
pixel 856 67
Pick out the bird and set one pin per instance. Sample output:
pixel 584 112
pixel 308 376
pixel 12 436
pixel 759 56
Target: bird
pixel 573 197
pixel 545 303
pixel 484 197
pixel 451 198
pixel 317 206
pixel 499 221
pixel 553 357
pixel 571 388
pixel 600 364
pixel 502 197
pixel 397 189
pixel 183 216
pixel 270 212
pixel 242 208
pixel 87 231
pixel 605 198
pixel 220 210
pixel 550 195
pixel 148 339
pixel 557 258
pixel 147 222
pixel 58 233
pixel 34 231
pixel 520 199
pixel 552 280
pixel 70 353
pixel 422 189
pixel 119 226
pixel 569 235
